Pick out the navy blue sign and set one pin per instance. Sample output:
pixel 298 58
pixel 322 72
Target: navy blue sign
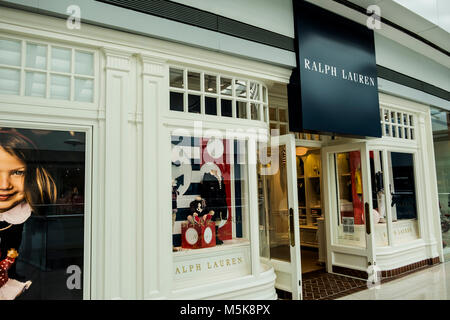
pixel 334 88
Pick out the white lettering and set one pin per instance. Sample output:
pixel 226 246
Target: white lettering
pixel 307 64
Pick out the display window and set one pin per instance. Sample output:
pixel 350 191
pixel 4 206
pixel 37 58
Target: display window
pixel 42 213
pixel 351 225
pixel 440 120
pixel 403 196
pixel 210 206
pixel 378 198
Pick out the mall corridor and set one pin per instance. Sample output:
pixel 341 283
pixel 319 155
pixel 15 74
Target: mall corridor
pixel 429 284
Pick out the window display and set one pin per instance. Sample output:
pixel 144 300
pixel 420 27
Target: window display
pixel 403 196
pixel 209 192
pixel 350 199
pixel 41 213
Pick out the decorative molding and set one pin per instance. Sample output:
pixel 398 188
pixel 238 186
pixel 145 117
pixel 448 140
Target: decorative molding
pixel 152 66
pixel 117 60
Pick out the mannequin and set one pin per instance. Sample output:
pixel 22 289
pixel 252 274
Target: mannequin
pixel 213 191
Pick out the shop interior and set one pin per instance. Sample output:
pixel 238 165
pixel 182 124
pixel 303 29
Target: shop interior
pixel 310 209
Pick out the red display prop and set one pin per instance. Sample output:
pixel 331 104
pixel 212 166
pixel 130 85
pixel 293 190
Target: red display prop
pixel 196 236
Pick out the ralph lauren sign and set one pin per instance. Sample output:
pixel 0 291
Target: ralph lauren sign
pixel 334 88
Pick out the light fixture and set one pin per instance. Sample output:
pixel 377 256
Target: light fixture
pixel 301 151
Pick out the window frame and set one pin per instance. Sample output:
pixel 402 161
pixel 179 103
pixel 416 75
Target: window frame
pixel 47 100
pixel 262 102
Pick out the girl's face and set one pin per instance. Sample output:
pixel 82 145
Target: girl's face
pixel 12 180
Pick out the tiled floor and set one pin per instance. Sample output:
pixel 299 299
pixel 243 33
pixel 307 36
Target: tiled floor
pixel 320 285
pixel 432 283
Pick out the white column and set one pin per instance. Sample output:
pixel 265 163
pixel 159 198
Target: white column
pixel 156 181
pixel 119 278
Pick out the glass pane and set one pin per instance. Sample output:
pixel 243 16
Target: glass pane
pixel 387 130
pixel 194 81
pixel 36 56
pixel 403 197
pixel 278 206
pixel 241 88
pixel 35 84
pixel 440 120
pixel 210 204
pixel 10 52
pixel 49 239
pixel 265 113
pixel 405 120
pixel 392 116
pixel 254 91
pixel 386 116
pixel 84 63
pixel 264 93
pixel 210 83
pixel 351 229
pixel 176 78
pixel 9 81
pixel 283 129
pixel 61 59
pixel 254 109
pixel 84 90
pixel 241 109
pixel 211 106
pixel 194 104
pixel 59 87
pixel 282 115
pixel 227 110
pixel 176 101
pixel 394 131
pixel 225 86
pixel 378 198
pixel 273 114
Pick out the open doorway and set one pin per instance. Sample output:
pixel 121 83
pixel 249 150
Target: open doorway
pixel 311 218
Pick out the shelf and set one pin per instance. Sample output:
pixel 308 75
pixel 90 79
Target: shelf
pixel 301 177
pixel 311 177
pixel 346 174
pixel 309 244
pixel 309 226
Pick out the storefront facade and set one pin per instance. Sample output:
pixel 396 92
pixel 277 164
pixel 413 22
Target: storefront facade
pixel 151 127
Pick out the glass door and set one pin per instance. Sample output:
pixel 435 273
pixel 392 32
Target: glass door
pixel 279 220
pixel 347 206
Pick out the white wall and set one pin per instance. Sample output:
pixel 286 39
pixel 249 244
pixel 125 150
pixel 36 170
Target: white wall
pixel 393 55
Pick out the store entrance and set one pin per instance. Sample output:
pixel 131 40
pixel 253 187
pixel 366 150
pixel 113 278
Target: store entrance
pixel 311 218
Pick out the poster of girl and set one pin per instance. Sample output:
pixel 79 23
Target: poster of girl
pixel 24 185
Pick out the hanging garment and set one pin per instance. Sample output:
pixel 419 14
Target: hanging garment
pixel 213 191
